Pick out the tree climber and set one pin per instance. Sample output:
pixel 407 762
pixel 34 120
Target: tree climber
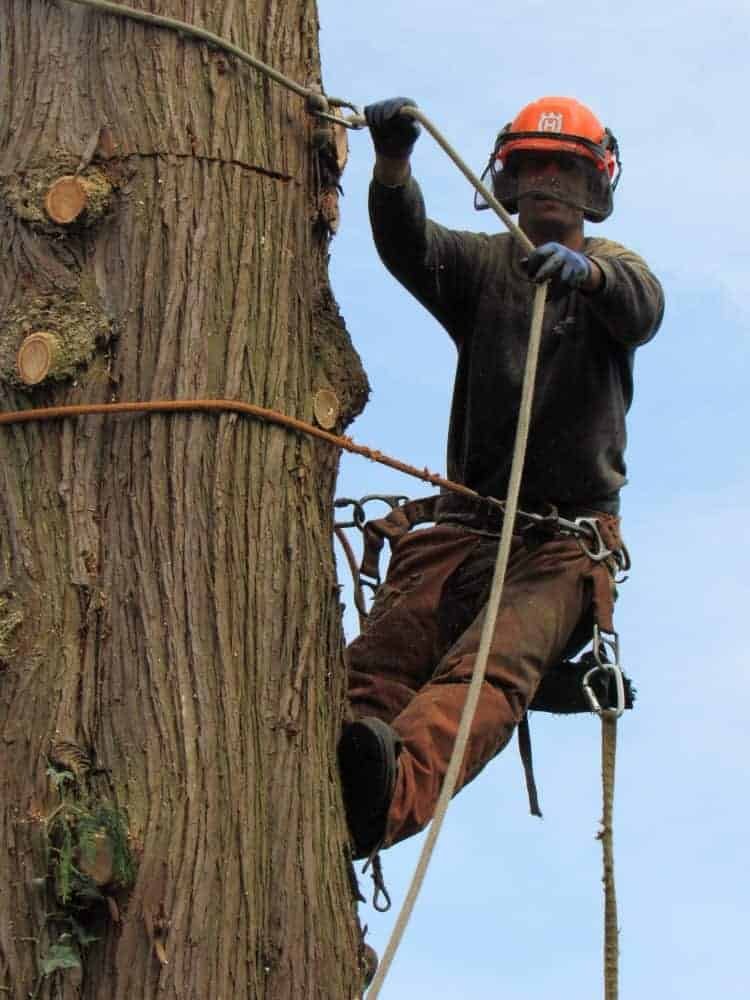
pixel 409 670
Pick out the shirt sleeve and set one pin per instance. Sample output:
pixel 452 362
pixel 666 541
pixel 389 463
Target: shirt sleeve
pixel 631 303
pixel 441 267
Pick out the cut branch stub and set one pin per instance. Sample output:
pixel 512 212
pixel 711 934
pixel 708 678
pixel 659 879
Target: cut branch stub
pixel 51 196
pixel 326 408
pixel 37 356
pixel 46 338
pixel 65 200
pixel 81 198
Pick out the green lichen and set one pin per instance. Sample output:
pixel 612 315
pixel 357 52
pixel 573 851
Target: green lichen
pixel 66 951
pixel 98 196
pixel 25 193
pixel 85 835
pixel 10 620
pixel 76 834
pixel 78 327
pixel 71 840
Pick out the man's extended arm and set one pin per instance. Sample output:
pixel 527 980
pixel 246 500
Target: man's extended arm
pixel 439 266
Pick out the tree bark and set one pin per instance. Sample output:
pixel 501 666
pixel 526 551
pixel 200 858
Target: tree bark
pixel 170 640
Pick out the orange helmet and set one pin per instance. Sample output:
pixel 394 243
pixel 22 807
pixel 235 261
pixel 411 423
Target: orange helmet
pixel 558 125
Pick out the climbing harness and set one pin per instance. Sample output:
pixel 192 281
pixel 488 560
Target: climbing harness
pixel 596 536
pixel 593 683
pixel 321 106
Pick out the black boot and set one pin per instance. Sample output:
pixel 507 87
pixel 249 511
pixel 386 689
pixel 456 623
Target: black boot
pixel 368 751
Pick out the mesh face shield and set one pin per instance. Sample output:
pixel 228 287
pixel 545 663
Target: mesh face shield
pixel 566 168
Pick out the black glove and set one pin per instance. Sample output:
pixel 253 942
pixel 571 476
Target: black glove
pixel 393 134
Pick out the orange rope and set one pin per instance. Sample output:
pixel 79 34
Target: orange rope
pixel 248 409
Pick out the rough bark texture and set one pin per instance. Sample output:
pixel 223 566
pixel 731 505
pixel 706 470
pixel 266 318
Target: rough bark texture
pixel 169 615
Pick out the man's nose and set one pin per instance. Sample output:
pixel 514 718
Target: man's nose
pixel 547 168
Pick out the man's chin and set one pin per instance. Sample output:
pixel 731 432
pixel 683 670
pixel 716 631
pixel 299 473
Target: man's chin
pixel 550 217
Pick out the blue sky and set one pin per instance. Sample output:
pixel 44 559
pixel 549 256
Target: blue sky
pixel 512 904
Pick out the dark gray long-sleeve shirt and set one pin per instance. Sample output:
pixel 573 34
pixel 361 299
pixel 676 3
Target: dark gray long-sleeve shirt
pixel 474 286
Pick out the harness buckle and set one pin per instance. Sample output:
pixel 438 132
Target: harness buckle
pixel 610 669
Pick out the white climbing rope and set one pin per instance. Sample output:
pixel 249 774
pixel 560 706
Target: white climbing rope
pixel 498 580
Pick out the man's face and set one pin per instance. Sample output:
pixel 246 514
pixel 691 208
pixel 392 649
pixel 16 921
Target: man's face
pixel 552 187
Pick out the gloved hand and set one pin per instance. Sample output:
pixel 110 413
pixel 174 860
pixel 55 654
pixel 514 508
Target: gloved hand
pixel 555 260
pixel 392 134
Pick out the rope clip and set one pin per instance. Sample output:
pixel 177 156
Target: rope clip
pixel 378 881
pixel 604 666
pixel 321 106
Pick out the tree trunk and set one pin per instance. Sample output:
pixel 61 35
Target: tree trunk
pixel 171 682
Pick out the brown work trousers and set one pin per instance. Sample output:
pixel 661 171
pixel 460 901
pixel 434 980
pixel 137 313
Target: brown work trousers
pixel 412 664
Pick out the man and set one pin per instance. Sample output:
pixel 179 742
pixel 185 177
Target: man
pixel 408 672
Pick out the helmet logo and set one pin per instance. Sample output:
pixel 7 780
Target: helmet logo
pixel 550 121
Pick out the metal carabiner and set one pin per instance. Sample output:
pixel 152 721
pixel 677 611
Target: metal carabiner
pixel 373 583
pixel 590 526
pixel 603 665
pixel 358 513
pixel 393 500
pixel 359 520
